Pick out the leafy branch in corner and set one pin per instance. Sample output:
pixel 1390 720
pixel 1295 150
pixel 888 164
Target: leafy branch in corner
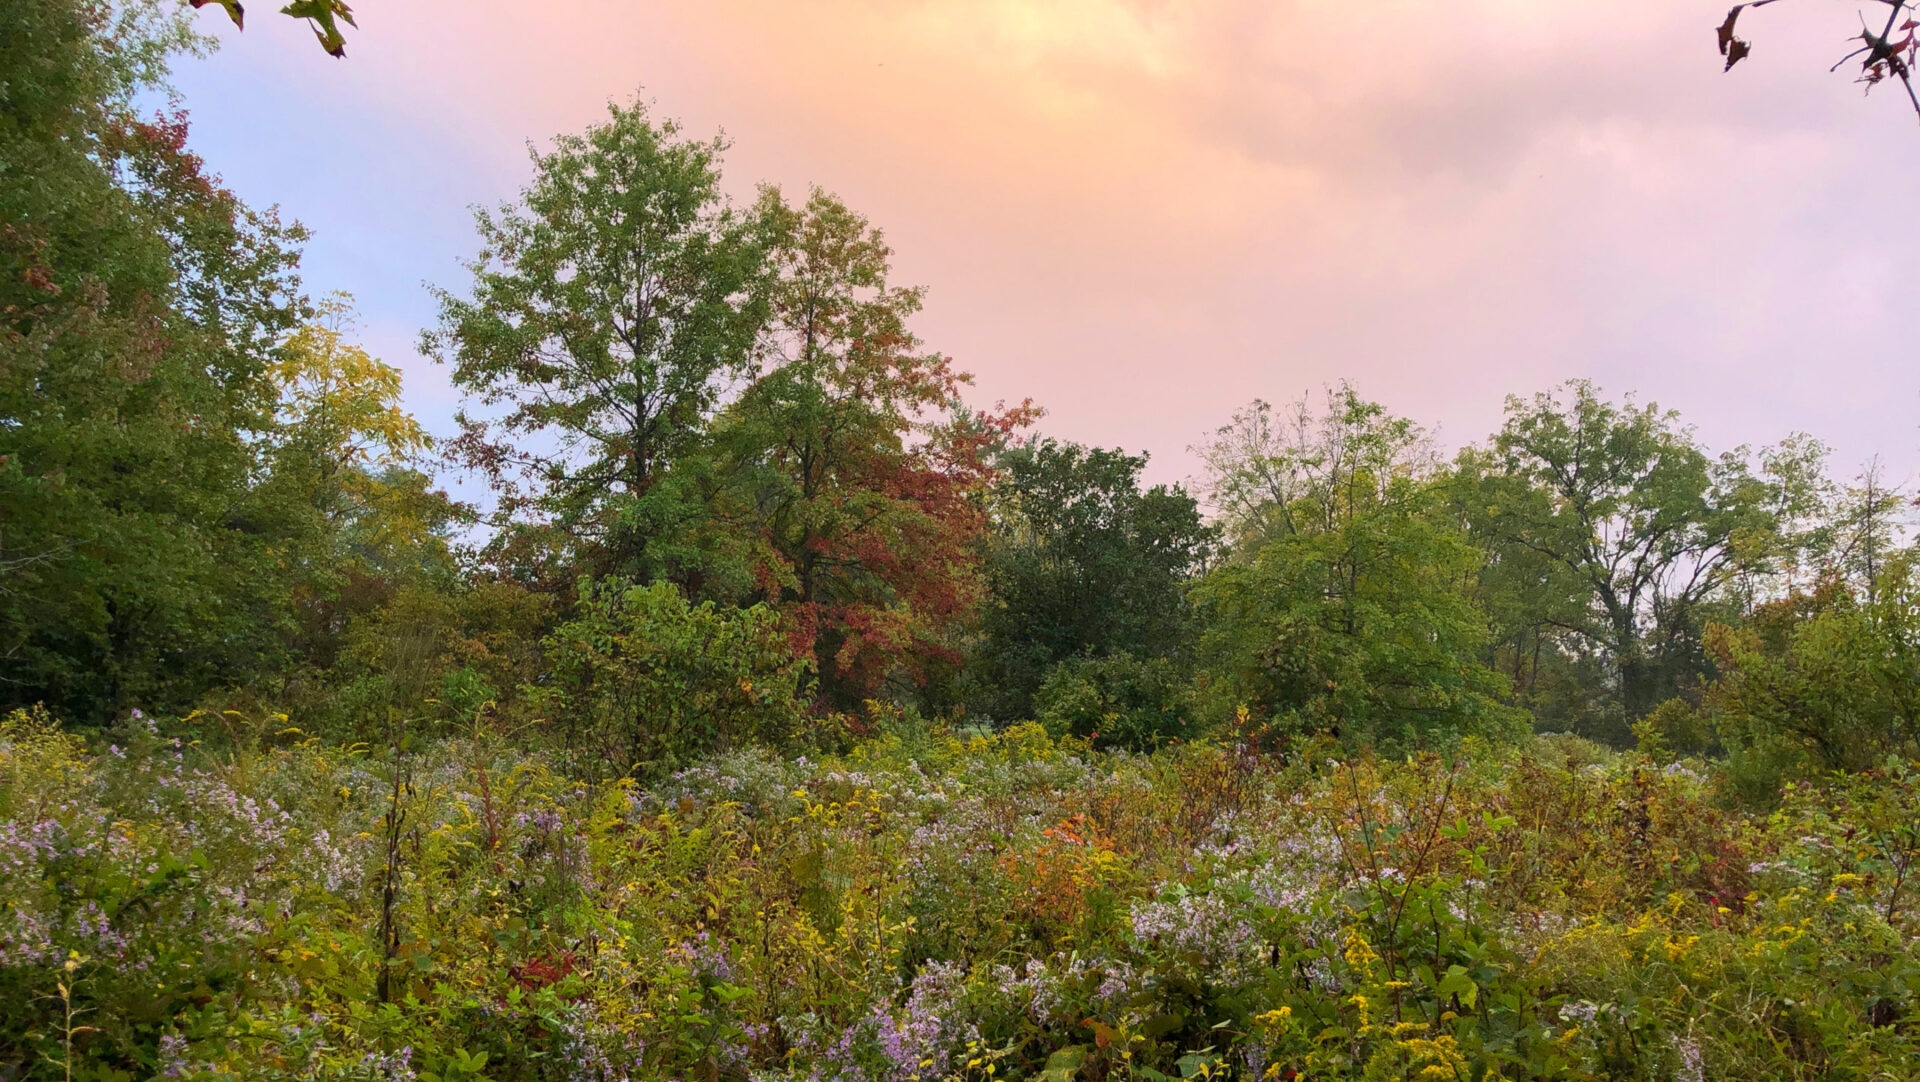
pixel 1881 56
pixel 325 16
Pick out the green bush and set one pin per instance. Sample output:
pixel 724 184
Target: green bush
pixel 643 681
pixel 1818 682
pixel 1118 701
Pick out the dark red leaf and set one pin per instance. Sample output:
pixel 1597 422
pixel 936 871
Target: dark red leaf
pixel 1726 30
pixel 1736 52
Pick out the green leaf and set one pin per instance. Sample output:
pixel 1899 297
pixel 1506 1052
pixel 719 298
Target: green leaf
pixel 1197 1064
pixel 1162 1024
pixel 325 16
pixel 1457 983
pixel 1064 1065
pixel 234 11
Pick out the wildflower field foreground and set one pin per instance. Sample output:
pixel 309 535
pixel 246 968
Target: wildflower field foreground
pixel 932 906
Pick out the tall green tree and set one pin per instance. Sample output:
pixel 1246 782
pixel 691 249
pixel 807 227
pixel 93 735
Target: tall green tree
pixel 1609 524
pixel 1082 562
pixel 1350 612
pixel 611 307
pixel 1271 473
pixel 1860 535
pixel 140 308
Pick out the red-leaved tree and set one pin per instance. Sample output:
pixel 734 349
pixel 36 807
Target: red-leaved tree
pixel 858 469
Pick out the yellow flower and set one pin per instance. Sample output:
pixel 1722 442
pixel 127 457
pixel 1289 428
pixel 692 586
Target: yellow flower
pixel 1360 1004
pixel 1359 953
pixel 1274 1020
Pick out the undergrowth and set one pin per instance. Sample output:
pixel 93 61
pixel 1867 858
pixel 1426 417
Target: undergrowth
pixel 933 905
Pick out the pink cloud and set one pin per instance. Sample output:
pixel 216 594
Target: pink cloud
pixel 1144 213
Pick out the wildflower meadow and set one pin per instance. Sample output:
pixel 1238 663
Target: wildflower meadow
pixel 932 905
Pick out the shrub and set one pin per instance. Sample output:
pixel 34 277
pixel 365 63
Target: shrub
pixel 1819 682
pixel 644 681
pixel 1118 701
pixel 1676 728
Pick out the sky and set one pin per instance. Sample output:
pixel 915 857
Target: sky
pixel 1144 213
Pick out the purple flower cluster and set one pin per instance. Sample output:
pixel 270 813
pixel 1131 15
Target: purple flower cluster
pixel 1205 927
pixel 931 1030
pixel 25 940
pixel 598 1051
pixel 838 1059
pixel 706 957
pixel 173 1055
pixel 388 1067
pixel 93 932
pixel 544 820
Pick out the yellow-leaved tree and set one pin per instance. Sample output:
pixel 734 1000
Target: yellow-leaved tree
pixel 343 429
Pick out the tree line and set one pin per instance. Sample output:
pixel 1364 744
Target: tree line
pixel 732 496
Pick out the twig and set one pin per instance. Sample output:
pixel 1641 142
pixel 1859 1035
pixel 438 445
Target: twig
pixel 1883 55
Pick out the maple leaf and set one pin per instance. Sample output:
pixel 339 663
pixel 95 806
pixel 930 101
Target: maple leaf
pixel 325 16
pixel 234 11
